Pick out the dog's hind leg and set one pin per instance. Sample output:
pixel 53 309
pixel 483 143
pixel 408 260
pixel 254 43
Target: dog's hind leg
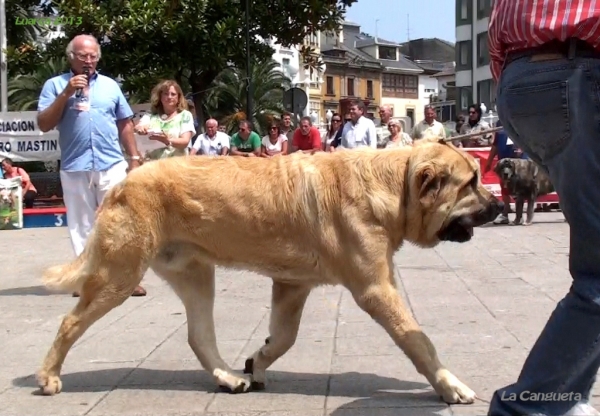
pixel 194 283
pixel 99 295
pixel 379 298
pixel 287 304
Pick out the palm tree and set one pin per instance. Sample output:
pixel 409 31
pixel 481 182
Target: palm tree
pixel 226 100
pixel 24 89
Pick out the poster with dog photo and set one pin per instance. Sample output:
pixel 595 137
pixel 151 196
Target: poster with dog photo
pixel 11 204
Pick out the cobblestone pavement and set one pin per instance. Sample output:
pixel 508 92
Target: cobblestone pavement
pixel 483 303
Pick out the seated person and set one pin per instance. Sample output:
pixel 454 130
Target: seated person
pixel 211 143
pixel 307 138
pixel 245 142
pixel 12 171
pixel 274 143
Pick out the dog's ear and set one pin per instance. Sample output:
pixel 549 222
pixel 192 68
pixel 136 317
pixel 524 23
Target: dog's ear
pixel 429 180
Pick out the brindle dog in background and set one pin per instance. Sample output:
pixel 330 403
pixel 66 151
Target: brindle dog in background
pixel 524 180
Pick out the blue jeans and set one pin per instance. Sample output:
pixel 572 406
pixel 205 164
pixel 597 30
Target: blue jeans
pixel 551 109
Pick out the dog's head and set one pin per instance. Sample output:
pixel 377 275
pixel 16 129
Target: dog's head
pixel 505 169
pixel 6 196
pixel 446 197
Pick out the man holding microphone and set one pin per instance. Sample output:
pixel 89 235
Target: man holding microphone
pixel 90 137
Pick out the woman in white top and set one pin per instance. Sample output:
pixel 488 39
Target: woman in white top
pixel 169 122
pixel 398 138
pixel 275 143
pixel 335 129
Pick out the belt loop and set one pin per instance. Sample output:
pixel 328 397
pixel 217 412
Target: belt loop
pixel 572 48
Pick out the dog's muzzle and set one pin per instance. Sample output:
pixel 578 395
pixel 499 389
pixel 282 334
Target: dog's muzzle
pixel 460 229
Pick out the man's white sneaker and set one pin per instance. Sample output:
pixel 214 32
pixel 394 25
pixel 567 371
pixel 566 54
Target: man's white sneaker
pixel 582 409
pixel 501 219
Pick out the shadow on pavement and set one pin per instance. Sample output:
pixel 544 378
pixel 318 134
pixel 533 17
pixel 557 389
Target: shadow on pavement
pixel 383 391
pixel 391 404
pixel 29 291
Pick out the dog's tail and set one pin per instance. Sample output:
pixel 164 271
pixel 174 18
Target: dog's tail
pixel 70 276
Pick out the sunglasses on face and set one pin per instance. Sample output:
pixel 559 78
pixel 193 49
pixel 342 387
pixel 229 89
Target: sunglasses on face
pixel 336 121
pixel 273 128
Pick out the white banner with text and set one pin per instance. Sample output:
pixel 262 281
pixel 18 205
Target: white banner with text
pixel 22 140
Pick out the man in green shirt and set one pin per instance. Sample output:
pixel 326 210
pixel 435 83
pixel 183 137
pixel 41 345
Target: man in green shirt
pixel 245 142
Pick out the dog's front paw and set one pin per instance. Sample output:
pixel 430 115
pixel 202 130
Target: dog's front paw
pixel 453 391
pixel 232 382
pixel 49 384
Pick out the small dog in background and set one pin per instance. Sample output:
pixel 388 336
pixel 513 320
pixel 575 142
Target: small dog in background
pixel 524 180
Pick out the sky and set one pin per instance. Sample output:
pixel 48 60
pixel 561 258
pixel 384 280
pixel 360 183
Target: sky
pixel 426 18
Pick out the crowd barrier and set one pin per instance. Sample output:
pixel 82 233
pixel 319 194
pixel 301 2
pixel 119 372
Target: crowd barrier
pixel 491 181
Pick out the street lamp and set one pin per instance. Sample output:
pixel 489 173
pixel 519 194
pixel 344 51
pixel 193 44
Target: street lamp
pixel 249 105
pixel 307 90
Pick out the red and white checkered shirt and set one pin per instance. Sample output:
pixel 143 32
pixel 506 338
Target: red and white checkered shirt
pixel 520 24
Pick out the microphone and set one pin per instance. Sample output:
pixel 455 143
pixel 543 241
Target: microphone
pixel 86 72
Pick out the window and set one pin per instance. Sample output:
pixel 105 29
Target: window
pixel 465 98
pixel 387 52
pixel 285 61
pixel 463 55
pixel 486 93
pixel 410 113
pixel 463 12
pixel 400 86
pixel 350 87
pixel 330 89
pixel 370 89
pixel 483 53
pixel 484 8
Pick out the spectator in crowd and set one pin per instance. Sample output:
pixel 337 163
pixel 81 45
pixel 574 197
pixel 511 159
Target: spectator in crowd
pixel 460 120
pixel 333 136
pixel 169 122
pixel 274 143
pixel 90 137
pixel 397 138
pixel 245 142
pixel 429 127
pixel 475 124
pixel 360 130
pixel 222 128
pixel 286 126
pixel 307 138
pixel 213 142
pixel 12 171
pixel 382 130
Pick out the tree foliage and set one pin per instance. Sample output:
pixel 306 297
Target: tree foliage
pixel 23 54
pixel 191 41
pixel 226 100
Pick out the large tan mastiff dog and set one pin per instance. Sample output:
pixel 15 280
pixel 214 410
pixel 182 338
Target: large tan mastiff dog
pixel 335 218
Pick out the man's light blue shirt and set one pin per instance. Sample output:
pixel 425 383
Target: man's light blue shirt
pixel 89 140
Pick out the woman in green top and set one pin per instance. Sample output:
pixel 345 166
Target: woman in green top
pixel 169 121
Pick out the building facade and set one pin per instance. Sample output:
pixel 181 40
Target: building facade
pixel 287 58
pixel 474 83
pixel 350 74
pixel 437 83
